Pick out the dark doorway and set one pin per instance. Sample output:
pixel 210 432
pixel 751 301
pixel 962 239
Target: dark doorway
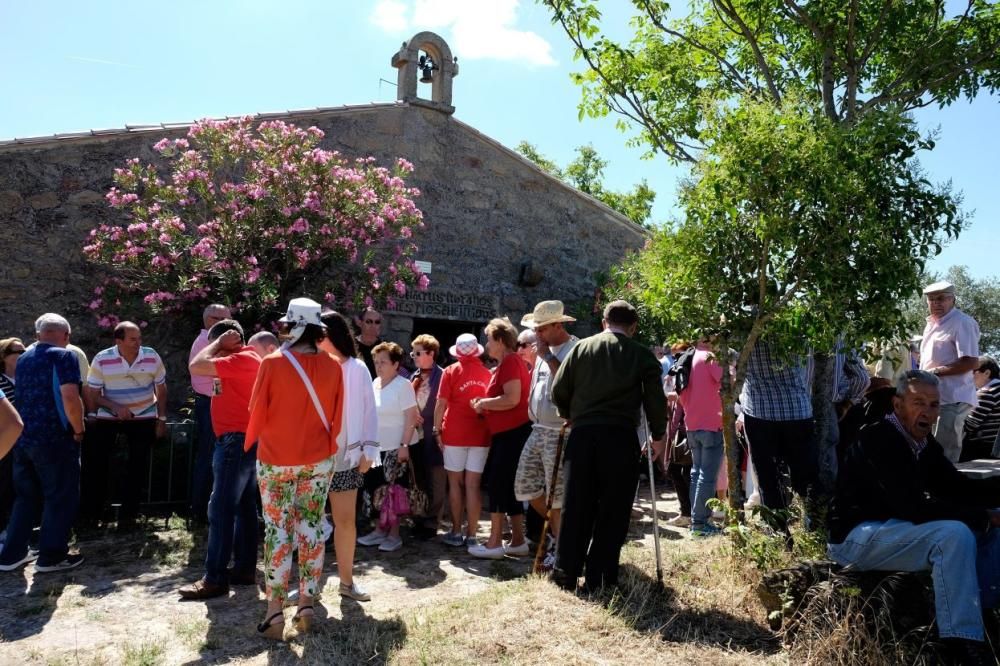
pixel 446 331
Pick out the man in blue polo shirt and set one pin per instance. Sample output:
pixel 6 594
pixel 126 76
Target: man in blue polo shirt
pixel 47 455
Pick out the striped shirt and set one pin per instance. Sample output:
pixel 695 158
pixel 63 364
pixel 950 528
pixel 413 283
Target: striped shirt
pixel 777 389
pixel 983 424
pixel 130 385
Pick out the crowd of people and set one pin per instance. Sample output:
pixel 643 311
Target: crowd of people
pixel 325 428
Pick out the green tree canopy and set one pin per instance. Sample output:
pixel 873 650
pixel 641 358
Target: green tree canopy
pixel 586 173
pixel 806 214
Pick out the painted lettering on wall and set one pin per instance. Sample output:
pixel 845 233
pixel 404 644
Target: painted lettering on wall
pixel 443 304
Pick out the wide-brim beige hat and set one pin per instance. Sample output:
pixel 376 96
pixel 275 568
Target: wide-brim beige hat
pixel 546 312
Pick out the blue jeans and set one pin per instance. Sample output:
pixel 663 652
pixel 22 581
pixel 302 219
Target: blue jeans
pixel 201 473
pixel 706 456
pixel 232 510
pixel 46 479
pixel 965 569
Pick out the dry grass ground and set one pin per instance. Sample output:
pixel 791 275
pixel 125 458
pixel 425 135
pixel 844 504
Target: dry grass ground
pixel 432 605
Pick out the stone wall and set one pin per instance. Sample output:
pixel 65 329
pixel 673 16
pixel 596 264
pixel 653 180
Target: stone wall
pixel 488 213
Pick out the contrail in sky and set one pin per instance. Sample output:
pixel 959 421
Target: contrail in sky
pixel 100 62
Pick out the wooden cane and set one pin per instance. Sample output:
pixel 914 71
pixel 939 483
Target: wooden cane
pixel 540 552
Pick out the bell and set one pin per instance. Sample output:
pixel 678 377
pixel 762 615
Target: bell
pixel 427 67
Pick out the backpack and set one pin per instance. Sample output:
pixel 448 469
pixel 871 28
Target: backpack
pixel 681 370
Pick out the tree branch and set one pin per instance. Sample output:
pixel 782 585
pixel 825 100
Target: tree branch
pixel 658 136
pixel 729 10
pixel 724 64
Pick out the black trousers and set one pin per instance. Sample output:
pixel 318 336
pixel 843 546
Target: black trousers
pixel 773 443
pixel 601 471
pixel 681 477
pixel 98 473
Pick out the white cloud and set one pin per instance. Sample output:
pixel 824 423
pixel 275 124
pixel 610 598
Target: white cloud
pixel 476 29
pixel 390 15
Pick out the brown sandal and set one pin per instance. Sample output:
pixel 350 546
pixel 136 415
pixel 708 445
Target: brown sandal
pixel 270 629
pixel 302 622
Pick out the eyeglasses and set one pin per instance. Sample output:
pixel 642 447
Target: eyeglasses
pixel 376 322
pixel 422 352
pixel 15 352
pixel 522 345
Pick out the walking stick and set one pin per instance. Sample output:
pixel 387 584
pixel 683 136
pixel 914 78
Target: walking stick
pixel 652 496
pixel 548 500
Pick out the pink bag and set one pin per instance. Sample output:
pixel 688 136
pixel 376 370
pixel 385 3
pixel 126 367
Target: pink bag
pixel 394 504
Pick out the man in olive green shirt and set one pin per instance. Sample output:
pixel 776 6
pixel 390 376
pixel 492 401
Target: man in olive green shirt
pixel 601 388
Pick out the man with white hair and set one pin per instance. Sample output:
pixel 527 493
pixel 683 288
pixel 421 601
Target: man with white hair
pixel 47 454
pixel 203 387
pixel 950 350
pixel 902 506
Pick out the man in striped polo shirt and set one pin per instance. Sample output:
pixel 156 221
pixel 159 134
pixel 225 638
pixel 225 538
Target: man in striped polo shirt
pixel 127 392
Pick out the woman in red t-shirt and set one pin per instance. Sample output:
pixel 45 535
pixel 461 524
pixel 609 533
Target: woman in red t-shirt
pixel 506 411
pixel 462 435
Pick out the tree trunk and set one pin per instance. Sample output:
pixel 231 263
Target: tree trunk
pixel 732 446
pixel 827 435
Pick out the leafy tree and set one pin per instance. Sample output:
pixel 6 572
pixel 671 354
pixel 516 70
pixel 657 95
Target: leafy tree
pixel 253 216
pixel 804 179
pixel 586 173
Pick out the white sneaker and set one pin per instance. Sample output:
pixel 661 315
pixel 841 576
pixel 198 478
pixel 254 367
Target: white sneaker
pixel 390 543
pixel 680 521
pixel 485 553
pixel 518 551
pixel 372 538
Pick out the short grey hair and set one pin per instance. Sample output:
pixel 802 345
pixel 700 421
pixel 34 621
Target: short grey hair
pixel 528 336
pixel 915 377
pixel 264 338
pixel 50 321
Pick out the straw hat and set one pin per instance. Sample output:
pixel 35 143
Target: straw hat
pixel 546 312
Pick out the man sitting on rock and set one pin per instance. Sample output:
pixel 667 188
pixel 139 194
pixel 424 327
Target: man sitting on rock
pixel 902 506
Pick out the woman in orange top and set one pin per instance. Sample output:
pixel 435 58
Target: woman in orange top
pixel 296 431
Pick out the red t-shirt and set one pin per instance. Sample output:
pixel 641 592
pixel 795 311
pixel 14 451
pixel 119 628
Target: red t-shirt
pixel 230 407
pixel 460 383
pixel 511 367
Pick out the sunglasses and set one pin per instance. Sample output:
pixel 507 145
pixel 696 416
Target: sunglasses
pixel 422 352
pixel 523 345
pixel 373 321
pixel 15 352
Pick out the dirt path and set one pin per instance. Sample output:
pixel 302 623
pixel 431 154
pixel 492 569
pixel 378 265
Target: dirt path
pixel 121 606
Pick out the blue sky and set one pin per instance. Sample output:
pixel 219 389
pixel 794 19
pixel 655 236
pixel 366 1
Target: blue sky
pixel 68 66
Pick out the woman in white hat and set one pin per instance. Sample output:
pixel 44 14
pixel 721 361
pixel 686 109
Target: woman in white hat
pixel 295 418
pixel 463 436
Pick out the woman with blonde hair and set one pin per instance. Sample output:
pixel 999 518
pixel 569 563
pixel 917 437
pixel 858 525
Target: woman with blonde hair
pixel 295 418
pixel 506 410
pixel 397 415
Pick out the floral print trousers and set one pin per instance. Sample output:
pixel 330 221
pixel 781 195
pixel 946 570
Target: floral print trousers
pixel 293 499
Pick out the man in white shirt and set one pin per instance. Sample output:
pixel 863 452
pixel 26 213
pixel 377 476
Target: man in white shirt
pixel 950 350
pixel 533 480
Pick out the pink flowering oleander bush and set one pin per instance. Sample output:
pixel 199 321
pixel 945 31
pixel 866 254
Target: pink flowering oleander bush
pixel 252 216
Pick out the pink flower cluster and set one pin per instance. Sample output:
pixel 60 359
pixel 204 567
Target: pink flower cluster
pixel 248 214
